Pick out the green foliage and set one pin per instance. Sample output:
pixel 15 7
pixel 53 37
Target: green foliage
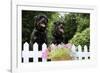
pixel 82 38
pixel 83 21
pixel 70 26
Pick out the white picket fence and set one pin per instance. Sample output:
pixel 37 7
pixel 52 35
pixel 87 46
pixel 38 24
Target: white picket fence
pixel 81 53
pixel 35 54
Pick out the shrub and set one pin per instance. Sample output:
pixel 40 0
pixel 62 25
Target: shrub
pixel 82 38
pixel 60 54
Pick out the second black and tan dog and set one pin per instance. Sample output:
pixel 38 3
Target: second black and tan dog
pixel 58 32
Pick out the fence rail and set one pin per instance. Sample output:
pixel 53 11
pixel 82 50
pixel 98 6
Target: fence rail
pixel 79 52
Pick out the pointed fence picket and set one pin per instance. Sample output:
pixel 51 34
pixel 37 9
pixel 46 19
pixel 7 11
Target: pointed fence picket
pixel 79 53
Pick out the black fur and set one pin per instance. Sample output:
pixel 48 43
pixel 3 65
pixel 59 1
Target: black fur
pixel 58 34
pixel 39 33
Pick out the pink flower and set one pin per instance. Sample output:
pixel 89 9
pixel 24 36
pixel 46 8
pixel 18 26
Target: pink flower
pixel 45 54
pixel 68 46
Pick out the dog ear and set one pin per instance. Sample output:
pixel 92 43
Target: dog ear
pixel 55 24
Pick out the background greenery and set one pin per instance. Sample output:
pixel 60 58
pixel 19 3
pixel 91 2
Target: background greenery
pixel 76 27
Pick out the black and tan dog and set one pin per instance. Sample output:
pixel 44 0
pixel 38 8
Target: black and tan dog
pixel 58 33
pixel 39 33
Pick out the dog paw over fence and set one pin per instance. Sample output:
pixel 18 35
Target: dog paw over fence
pixel 79 53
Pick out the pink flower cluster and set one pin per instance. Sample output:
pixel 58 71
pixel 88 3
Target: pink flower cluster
pixel 45 54
pixel 52 46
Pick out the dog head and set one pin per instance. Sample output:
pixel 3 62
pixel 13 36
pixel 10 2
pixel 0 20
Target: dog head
pixel 59 27
pixel 41 22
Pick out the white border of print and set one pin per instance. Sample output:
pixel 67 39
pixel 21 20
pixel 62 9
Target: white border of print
pixel 17 66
